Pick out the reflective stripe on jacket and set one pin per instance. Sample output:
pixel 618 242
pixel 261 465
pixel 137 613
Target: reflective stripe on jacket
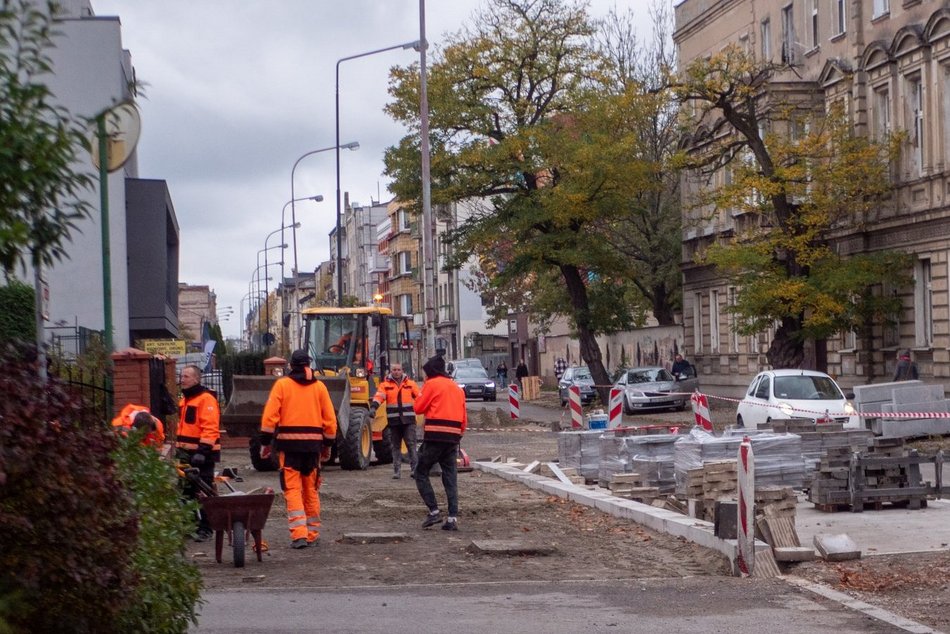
pixel 300 416
pixel 399 398
pixel 442 402
pixel 199 423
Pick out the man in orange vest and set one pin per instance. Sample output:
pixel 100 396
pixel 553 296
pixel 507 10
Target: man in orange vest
pixel 135 416
pixel 442 402
pixel 398 391
pixel 199 435
pixel 300 421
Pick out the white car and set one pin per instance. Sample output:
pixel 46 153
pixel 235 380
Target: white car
pixel 784 394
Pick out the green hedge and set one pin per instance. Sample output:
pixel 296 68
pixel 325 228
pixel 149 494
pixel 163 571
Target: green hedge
pixel 17 313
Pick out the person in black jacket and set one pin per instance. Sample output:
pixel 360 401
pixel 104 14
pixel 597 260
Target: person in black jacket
pixel 906 369
pixel 520 373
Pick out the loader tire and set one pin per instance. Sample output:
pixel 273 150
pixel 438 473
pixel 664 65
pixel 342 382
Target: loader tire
pixel 357 446
pixel 260 464
pixel 384 448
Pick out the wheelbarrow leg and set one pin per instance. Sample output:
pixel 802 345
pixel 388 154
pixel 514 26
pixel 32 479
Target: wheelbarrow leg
pixel 258 544
pixel 218 545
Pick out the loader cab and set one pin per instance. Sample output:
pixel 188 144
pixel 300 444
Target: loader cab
pixel 364 340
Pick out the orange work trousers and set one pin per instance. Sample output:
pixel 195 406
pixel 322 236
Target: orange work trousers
pixel 302 494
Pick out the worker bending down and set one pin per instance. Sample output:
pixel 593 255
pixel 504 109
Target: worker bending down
pixel 299 419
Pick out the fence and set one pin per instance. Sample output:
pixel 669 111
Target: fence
pixel 92 387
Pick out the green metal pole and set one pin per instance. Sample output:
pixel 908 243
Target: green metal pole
pixel 106 252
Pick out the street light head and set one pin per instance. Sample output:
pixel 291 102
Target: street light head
pixel 416 46
pixel 352 145
pixel 318 198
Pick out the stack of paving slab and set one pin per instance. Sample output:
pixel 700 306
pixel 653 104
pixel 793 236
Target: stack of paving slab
pixel 580 450
pixel 817 439
pixel 778 457
pixel 650 456
pixel 903 397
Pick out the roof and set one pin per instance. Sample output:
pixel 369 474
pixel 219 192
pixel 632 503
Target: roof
pixel 794 372
pixel 353 310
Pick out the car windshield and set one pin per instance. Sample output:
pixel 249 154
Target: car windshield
pixel 470 373
pixel 651 375
pixel 582 374
pixel 806 388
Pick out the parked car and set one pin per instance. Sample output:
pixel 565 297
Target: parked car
pixel 784 394
pixel 463 363
pixel 581 377
pixel 655 388
pixel 475 383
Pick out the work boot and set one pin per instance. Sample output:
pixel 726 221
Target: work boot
pixel 313 543
pixel 396 475
pixel 202 536
pixel 451 524
pixel 432 519
pixel 299 543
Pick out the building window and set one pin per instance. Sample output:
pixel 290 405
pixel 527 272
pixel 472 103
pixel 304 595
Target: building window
pixel 840 17
pixel 714 321
pixel 733 321
pixel 788 35
pixel 923 304
pixel 813 24
pixel 698 322
pixel 765 30
pixel 916 89
pixel 881 7
pixel 882 114
pixel 405 305
pixel 403 217
pixel 403 263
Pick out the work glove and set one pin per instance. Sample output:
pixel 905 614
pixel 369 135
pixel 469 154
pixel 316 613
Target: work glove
pixel 325 454
pixel 197 460
pixel 265 452
pixel 373 406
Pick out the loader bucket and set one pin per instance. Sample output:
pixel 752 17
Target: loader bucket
pixel 339 389
pixel 242 416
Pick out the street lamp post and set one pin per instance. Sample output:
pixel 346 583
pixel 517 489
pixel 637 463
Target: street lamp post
pixel 352 145
pixel 339 241
pixel 282 246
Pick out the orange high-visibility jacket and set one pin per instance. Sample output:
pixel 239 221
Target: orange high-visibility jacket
pixel 199 422
pixel 442 402
pixel 123 423
pixel 398 398
pixel 299 416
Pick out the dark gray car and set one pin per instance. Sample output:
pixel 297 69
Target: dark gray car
pixel 581 377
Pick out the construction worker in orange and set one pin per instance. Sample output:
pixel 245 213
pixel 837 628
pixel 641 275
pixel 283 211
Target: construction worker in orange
pixel 300 423
pixel 137 417
pixel 442 402
pixel 199 435
pixel 398 392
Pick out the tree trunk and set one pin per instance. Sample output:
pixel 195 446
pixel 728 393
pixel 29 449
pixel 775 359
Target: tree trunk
pixel 787 350
pixel 590 351
pixel 662 310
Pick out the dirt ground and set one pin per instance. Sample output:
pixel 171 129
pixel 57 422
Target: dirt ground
pixel 588 543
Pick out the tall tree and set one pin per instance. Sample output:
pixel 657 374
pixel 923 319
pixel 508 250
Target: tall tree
pixel 805 179
pixel 41 144
pixel 529 126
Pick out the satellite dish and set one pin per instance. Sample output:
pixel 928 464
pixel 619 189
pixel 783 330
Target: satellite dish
pixel 123 127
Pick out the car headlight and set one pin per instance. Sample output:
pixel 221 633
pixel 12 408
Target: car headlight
pixel 360 373
pixel 849 409
pixel 786 409
pixel 635 393
pixel 490 384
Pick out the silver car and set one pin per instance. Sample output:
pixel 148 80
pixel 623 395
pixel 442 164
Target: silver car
pixel 655 388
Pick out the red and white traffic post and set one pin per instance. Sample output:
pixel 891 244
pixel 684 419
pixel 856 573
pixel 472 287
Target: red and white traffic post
pixel 577 413
pixel 615 410
pixel 514 401
pixel 701 410
pixel 745 559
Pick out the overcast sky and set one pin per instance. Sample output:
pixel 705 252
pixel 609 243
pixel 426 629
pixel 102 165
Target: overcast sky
pixel 237 91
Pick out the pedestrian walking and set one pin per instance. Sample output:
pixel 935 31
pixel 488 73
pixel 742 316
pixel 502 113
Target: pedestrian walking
pixel 502 371
pixel 520 373
pixel 442 402
pixel 300 422
pixel 399 392
pixel 199 436
pixel 906 369
pixel 560 366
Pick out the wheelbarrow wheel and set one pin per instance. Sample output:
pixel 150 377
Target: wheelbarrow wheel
pixel 237 538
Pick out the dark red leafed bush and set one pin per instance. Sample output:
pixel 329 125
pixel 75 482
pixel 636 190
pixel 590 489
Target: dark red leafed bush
pixel 67 529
